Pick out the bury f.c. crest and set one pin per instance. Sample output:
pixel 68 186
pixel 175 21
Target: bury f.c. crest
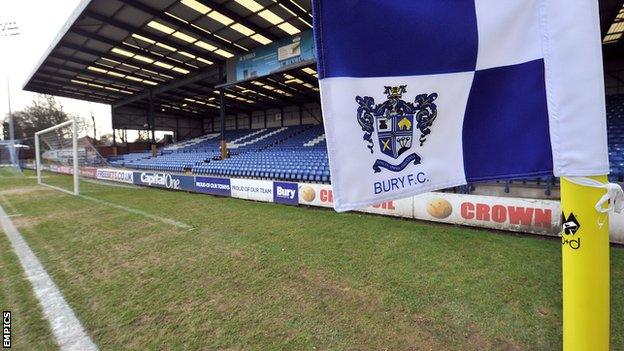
pixel 394 122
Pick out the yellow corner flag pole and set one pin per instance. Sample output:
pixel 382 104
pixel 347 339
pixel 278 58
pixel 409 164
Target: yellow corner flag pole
pixel 585 262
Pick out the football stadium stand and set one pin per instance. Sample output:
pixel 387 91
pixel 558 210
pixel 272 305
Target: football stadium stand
pixel 298 153
pixel 201 74
pixel 615 132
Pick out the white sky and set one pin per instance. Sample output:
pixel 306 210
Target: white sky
pixel 39 22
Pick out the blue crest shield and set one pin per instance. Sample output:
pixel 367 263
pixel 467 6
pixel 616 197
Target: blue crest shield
pixel 395 133
pixel 394 121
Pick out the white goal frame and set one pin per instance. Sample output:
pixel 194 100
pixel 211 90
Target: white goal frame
pixel 76 172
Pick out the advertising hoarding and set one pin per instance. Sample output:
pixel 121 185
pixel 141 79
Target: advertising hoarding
pixel 505 213
pixel 323 196
pixel 277 55
pixel 286 193
pixel 252 189
pixel 213 186
pixel 115 175
pixel 88 172
pixel 164 180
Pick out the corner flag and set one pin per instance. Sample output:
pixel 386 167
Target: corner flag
pixel 429 94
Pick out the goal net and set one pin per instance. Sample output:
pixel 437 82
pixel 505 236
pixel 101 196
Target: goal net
pixel 63 157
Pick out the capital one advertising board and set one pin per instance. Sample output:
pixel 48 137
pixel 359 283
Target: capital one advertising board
pixel 505 213
pixel 252 189
pixel 323 196
pixel 164 180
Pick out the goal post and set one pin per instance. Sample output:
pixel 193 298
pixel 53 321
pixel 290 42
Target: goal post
pixel 60 145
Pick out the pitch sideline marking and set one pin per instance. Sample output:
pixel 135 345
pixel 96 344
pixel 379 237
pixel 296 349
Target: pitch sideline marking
pixel 8 204
pixel 140 213
pixel 66 327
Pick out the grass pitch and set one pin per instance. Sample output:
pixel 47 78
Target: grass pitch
pixel 258 276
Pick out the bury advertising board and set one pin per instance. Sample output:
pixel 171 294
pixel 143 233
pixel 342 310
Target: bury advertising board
pixel 505 213
pixel 116 175
pixel 164 180
pixel 251 189
pixel 213 186
pixel 286 193
pixel 277 55
pixel 323 196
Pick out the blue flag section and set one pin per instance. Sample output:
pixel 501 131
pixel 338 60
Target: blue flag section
pixel 424 95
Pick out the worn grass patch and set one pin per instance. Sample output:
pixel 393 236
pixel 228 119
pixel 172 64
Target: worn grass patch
pixel 257 276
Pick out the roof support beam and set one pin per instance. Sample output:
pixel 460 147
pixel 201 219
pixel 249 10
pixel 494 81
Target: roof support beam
pixel 231 14
pixel 114 43
pixel 53 86
pixel 231 106
pixel 182 25
pixel 289 89
pixel 101 76
pixel 68 94
pixel 130 29
pixel 276 97
pixel 70 77
pixel 209 72
pixel 297 10
pixel 259 103
pixel 306 78
pixel 134 63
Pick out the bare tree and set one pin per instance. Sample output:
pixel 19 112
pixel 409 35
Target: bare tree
pixel 44 112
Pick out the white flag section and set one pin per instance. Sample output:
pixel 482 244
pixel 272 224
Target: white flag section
pixel 428 94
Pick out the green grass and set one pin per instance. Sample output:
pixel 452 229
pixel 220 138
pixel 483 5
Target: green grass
pixel 30 331
pixel 257 276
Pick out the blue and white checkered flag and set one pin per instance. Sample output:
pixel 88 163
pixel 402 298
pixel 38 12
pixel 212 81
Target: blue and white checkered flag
pixel 419 95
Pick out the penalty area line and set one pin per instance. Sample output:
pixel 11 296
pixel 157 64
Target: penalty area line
pixel 66 327
pixel 139 212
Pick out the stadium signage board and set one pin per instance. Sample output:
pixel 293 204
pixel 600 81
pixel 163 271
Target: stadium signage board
pixel 322 195
pixel 164 180
pixel 116 175
pixel 252 189
pixel 277 55
pixel 505 213
pixel 316 195
pixel 65 169
pixel 213 186
pixel 286 193
pixel 88 172
pixel 396 208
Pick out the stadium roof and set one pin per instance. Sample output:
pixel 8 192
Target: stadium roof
pixel 121 52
